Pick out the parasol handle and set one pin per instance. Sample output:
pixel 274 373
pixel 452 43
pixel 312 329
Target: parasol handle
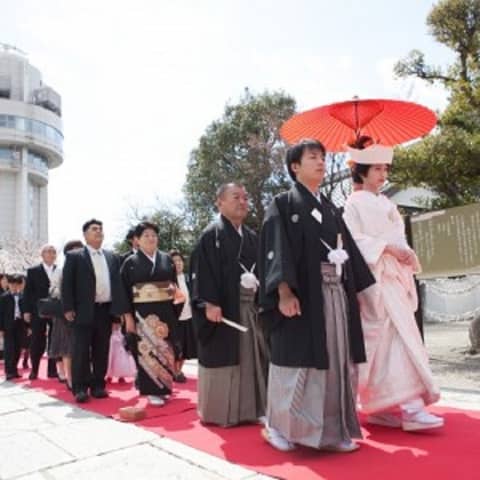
pixel 357 121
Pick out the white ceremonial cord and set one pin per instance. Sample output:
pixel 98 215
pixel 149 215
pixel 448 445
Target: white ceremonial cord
pixel 337 256
pixel 250 272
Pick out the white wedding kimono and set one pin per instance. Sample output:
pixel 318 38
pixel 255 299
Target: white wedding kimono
pixel 397 369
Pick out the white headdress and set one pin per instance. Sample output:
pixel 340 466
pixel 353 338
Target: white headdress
pixel 372 155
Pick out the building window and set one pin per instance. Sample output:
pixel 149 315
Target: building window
pixel 8 158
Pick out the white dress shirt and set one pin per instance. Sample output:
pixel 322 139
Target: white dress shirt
pixel 103 290
pixel 187 309
pixel 49 269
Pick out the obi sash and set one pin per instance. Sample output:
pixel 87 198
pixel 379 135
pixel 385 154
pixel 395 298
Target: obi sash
pixel 153 292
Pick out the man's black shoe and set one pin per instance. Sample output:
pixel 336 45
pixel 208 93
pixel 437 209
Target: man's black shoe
pixel 11 376
pixel 33 376
pixel 99 393
pixel 52 375
pixel 81 397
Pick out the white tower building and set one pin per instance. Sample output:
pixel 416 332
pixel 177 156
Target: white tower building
pixel 31 142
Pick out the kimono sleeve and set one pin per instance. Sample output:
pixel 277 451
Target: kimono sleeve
pixel 400 227
pixel 371 247
pixel 119 303
pixel 126 285
pixel 276 264
pixel 205 272
pixel 362 275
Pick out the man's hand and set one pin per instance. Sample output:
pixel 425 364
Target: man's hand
pixel 27 317
pixel 70 315
pixel 213 313
pixel 288 303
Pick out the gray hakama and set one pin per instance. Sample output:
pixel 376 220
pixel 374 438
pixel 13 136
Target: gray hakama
pixel 315 407
pixel 236 394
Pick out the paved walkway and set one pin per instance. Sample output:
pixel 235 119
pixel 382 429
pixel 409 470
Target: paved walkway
pixel 44 438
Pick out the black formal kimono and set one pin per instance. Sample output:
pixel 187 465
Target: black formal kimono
pixel 231 378
pixel 215 272
pixel 156 321
pixel 14 331
pixel 312 378
pixel 291 251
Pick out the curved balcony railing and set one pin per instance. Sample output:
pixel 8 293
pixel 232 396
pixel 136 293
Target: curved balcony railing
pixel 37 163
pixel 34 127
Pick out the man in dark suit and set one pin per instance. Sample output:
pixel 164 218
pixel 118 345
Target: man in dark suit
pixel 92 298
pixel 12 325
pixel 37 287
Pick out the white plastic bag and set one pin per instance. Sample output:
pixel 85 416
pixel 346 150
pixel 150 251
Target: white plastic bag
pixel 120 362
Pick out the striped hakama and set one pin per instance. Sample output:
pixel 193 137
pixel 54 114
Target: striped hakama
pixel 236 394
pixel 315 407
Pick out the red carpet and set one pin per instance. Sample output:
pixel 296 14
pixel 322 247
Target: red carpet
pixel 449 453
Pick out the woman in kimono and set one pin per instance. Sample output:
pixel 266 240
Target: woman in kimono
pixel 149 280
pixel 396 383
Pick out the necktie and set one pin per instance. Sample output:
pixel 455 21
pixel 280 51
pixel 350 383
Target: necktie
pixel 17 306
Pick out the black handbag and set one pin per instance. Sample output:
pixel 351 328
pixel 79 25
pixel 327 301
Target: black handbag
pixel 50 307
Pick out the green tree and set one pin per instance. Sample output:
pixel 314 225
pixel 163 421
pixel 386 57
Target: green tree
pixel 174 231
pixel 449 160
pixel 243 146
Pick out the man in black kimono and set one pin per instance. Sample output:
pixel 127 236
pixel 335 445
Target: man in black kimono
pixel 92 298
pixel 310 274
pixel 231 382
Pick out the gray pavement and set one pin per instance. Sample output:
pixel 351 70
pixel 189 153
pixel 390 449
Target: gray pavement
pixel 44 438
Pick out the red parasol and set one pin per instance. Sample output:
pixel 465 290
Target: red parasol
pixel 388 122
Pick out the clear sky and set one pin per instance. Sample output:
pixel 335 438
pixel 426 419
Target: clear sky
pixel 140 81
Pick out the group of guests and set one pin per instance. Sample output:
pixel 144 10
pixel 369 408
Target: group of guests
pixel 95 293
pixel 296 329
pixel 23 326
